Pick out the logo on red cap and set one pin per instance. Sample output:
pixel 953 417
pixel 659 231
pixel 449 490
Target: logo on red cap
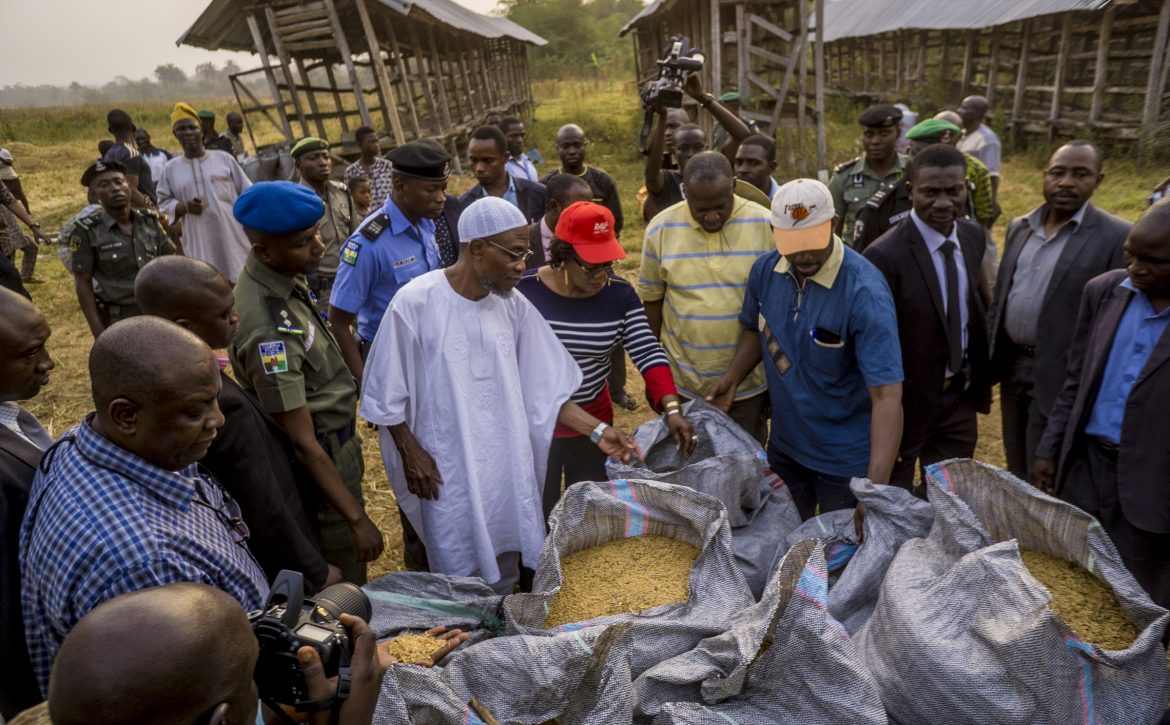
pixel 601 227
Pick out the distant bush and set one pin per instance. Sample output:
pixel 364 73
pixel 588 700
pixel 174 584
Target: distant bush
pixel 582 37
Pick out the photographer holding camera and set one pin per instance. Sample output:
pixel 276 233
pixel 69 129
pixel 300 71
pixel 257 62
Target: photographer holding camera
pixel 186 653
pixel 663 97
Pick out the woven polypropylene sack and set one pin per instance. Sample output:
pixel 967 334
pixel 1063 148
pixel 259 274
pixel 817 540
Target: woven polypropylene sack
pixel 596 513
pixel 893 516
pixel 578 678
pixel 962 632
pixel 727 463
pixel 809 673
pixel 417 601
pixel 762 539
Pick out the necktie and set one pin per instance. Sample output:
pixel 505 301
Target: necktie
pixel 954 316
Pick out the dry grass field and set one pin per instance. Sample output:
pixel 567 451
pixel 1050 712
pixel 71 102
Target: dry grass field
pixel 53 145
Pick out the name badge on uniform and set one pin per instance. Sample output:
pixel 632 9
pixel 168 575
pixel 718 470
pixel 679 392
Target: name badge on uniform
pixel 403 262
pixel 310 336
pixel 273 357
pixel 858 180
pixel 349 253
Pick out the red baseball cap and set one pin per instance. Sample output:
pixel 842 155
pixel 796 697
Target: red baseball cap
pixel 588 228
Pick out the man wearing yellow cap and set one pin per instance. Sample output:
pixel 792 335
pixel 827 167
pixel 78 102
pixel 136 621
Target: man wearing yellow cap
pixel 315 165
pixel 199 188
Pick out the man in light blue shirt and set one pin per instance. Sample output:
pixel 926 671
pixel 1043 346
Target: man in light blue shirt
pixel 518 163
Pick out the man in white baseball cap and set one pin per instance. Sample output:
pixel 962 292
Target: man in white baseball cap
pixel 468 381
pixel 825 319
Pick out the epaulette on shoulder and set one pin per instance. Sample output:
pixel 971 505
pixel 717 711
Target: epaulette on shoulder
pixel 373 227
pixel 282 316
pixel 879 196
pixel 845 164
pixel 89 219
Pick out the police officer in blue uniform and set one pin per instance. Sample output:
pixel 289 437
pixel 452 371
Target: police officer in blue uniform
pixel 390 248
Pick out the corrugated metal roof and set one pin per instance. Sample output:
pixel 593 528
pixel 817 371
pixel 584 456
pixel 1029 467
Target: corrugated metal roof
pixel 222 24
pixel 859 18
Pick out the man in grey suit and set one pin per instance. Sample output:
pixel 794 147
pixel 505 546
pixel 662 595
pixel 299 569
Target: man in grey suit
pixel 1049 255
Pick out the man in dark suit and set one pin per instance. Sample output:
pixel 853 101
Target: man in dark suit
pixel 1105 447
pixel 251 455
pixel 1048 257
pixel 562 191
pixel 931 260
pixel 24 369
pixel 487 151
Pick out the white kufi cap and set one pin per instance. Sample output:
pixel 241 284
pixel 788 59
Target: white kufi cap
pixel 488 217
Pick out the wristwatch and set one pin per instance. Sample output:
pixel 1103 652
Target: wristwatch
pixel 595 436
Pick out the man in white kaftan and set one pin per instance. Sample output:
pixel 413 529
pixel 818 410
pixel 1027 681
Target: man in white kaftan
pixel 199 187
pixel 468 377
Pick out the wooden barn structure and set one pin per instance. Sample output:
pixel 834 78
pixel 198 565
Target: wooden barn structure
pixel 412 68
pixel 764 49
pixel 1051 67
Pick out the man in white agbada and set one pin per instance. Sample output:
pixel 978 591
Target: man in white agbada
pixel 199 187
pixel 468 381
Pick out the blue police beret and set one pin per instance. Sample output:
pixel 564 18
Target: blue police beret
pixel 278 207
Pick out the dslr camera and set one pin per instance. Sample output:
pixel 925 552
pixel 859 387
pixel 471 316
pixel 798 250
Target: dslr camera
pixel 666 91
pixel 290 621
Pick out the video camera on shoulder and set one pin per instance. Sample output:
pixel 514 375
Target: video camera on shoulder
pixel 666 91
pixel 289 621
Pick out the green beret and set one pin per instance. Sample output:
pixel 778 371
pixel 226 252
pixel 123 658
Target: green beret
pixel 308 145
pixel 207 115
pixel 934 130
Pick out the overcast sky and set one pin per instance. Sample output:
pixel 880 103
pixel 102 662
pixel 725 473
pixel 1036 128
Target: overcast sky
pixel 94 41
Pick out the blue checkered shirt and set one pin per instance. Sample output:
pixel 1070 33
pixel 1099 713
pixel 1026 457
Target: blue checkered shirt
pixel 102 522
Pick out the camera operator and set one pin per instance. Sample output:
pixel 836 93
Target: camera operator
pixel 663 186
pixel 185 653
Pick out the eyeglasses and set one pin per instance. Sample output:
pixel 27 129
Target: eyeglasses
pixel 516 256
pixel 592 270
pixel 229 513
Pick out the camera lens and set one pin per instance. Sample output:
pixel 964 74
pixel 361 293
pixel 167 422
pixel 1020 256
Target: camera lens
pixel 344 598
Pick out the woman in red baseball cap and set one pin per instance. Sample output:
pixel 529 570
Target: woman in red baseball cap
pixel 592 311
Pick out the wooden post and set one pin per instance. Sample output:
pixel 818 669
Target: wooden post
pixel 481 65
pixel 474 98
pixel 437 70
pixel 1058 75
pixel 1154 81
pixel 285 69
pixel 968 64
pixel 1101 69
pixel 273 88
pixel 341 111
pixel 899 67
pixel 1017 123
pixel 400 63
pixel 992 71
pixel 318 121
pixel 386 90
pixel 922 38
pixel 715 55
pixel 819 80
pixel 743 33
pixel 247 123
pixel 802 93
pixel 462 96
pixel 347 57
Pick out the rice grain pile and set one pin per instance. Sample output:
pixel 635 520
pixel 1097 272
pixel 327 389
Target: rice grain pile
pixel 1083 601
pixel 408 648
pixel 627 575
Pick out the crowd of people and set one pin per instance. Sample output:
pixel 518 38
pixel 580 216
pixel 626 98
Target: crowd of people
pixel 854 328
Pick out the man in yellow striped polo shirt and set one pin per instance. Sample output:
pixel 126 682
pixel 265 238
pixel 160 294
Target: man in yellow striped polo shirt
pixel 695 263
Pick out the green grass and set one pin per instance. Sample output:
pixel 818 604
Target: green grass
pixel 52 147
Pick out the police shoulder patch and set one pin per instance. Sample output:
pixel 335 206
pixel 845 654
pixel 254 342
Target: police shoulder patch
pixel 273 357
pixel 374 226
pixel 349 252
pixel 74 242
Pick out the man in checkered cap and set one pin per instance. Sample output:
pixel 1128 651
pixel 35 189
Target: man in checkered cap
pixel 822 320
pixel 467 381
